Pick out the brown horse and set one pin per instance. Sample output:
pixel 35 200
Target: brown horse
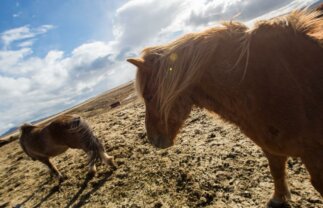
pixel 267 80
pixel 69 131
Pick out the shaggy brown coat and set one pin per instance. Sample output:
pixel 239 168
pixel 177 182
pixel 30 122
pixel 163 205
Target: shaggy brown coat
pixel 69 131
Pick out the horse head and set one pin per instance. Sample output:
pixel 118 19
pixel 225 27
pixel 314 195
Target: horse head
pixel 162 122
pixel 26 128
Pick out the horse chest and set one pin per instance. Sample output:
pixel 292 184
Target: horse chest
pixel 275 140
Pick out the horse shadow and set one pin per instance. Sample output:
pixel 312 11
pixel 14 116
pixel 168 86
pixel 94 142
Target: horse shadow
pixel 34 193
pixel 52 191
pixel 83 198
pixel 78 195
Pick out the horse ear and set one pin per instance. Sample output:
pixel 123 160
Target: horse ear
pixel 138 62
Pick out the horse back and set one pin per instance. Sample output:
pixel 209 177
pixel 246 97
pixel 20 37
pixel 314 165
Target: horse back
pixel 70 130
pixel 39 141
pixel 284 89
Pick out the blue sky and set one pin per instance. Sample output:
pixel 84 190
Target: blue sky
pixel 55 54
pixel 74 21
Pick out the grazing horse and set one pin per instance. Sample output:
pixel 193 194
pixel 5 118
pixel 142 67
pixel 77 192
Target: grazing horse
pixel 267 80
pixel 68 131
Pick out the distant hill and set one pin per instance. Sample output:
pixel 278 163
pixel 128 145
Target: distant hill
pixel 9 131
pixel 98 99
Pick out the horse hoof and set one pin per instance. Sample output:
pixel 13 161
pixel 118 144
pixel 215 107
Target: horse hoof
pixel 274 204
pixel 112 164
pixel 62 178
pixel 90 174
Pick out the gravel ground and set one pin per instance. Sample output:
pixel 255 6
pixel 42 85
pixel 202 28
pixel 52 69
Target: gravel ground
pixel 211 165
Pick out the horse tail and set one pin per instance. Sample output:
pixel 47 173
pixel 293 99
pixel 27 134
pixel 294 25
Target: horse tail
pixel 76 125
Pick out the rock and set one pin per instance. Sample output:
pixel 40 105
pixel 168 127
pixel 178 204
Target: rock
pixel 197 131
pixel 212 135
pixel 246 194
pixel 6 204
pixel 158 205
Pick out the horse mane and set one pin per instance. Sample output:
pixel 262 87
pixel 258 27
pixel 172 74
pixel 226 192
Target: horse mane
pixel 308 23
pixel 179 64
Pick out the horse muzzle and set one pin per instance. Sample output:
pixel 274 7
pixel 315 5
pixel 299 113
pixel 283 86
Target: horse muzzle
pixel 160 142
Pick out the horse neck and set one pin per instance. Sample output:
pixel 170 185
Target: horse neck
pixel 225 101
pixel 220 89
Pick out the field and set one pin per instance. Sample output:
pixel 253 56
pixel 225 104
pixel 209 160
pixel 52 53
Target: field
pixel 211 165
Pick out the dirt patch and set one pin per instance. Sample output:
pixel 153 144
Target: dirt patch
pixel 211 165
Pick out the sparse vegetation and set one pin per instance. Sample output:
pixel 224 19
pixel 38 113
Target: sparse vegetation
pixel 211 165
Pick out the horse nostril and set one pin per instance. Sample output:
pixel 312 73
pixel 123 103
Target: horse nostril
pixel 163 142
pixel 154 140
pixel 159 141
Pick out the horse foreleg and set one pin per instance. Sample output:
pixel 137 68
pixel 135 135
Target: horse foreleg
pixel 314 165
pixel 277 168
pixel 52 167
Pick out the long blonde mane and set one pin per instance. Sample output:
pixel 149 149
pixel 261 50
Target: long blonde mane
pixel 182 62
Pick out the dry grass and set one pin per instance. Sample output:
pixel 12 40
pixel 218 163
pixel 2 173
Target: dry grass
pixel 211 165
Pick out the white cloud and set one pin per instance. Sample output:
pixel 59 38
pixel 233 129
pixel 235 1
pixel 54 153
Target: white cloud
pixel 25 44
pixel 9 59
pixel 14 87
pixel 214 10
pixel 34 87
pixel 139 21
pixel 22 33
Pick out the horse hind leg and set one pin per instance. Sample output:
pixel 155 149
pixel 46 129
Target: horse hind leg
pixel 281 194
pixel 314 164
